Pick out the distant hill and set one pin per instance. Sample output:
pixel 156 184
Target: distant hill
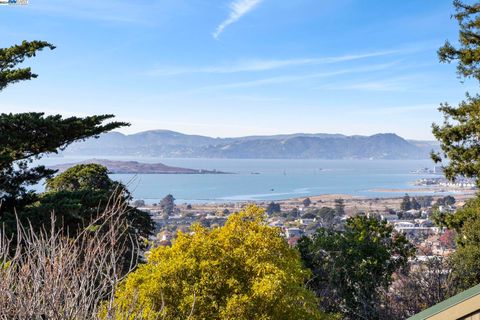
pixel 435 145
pixel 134 167
pixel 170 144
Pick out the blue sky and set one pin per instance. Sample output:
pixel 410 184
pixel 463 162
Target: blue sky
pixel 239 67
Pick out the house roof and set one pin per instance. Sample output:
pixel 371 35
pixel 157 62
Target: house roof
pixel 460 300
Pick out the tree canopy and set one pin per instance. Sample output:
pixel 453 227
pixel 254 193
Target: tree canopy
pixel 80 195
pixel 273 208
pixel 340 206
pixel 306 202
pixel 468 54
pixel 406 203
pixel 82 177
pixel 27 136
pixel 84 190
pixel 466 259
pixel 75 197
pixel 12 56
pixel 168 204
pixel 458 134
pixel 350 267
pixel 243 270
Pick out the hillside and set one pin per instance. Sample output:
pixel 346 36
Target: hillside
pixel 134 167
pixel 170 144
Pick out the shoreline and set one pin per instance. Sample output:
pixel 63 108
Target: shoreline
pixel 353 204
pixel 397 194
pixel 432 190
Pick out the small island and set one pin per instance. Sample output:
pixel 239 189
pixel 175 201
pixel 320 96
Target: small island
pixel 135 167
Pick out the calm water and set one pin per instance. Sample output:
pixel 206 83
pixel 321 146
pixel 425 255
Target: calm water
pixel 276 179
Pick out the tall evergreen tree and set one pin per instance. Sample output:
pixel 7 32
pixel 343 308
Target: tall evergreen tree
pixel 12 56
pixel 273 208
pixel 77 196
pixel 406 203
pixel 168 204
pixel 415 204
pixel 307 202
pixel 25 137
pixel 459 133
pixel 459 137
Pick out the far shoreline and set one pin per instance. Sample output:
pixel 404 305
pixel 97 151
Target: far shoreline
pixel 353 203
pixel 330 197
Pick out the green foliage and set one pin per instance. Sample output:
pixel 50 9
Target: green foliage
pixel 12 56
pixel 466 259
pixel 168 205
pixel 273 208
pixel 425 201
pixel 415 205
pixel 340 207
pixel 82 191
pixel 447 200
pixel 458 134
pixel 350 267
pixel 326 216
pixel 455 221
pixel 412 203
pixel 306 202
pixel 459 138
pixel 83 176
pixel 468 54
pixel 243 270
pixel 309 215
pixel 28 136
pixel 77 196
pixel 406 203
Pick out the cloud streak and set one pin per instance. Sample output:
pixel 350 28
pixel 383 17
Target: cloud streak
pixel 396 110
pixel 298 78
pixel 265 65
pixel 238 9
pixel 381 85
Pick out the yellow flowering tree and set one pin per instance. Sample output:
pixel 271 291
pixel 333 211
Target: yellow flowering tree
pixel 243 270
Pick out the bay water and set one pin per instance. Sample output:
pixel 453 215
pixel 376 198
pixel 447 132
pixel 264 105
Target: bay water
pixel 267 179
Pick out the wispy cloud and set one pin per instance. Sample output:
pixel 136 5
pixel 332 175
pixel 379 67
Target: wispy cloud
pixel 302 77
pixel 411 82
pixel 381 85
pixel 238 8
pixel 265 65
pixel 395 110
pixel 374 86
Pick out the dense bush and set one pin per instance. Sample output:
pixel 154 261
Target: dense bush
pixel 243 270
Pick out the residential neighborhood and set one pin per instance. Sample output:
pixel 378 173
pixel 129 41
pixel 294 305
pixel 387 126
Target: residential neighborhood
pixel 411 216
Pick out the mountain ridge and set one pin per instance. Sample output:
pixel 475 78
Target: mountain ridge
pixel 172 144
